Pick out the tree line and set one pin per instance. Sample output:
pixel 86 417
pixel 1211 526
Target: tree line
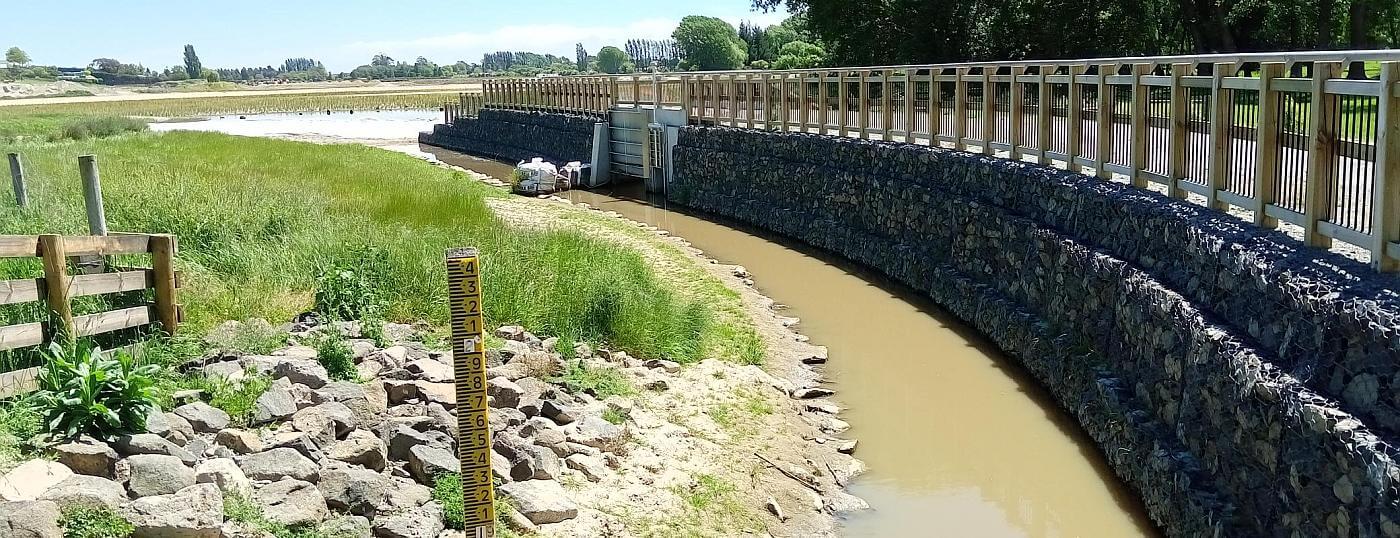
pixel 881 32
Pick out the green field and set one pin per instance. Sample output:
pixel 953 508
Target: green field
pixel 239 104
pixel 261 221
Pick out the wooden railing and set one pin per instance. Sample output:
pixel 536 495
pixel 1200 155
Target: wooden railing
pixel 1233 132
pixel 593 95
pixel 467 105
pixel 57 289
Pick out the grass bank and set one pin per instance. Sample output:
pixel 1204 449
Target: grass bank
pixel 262 222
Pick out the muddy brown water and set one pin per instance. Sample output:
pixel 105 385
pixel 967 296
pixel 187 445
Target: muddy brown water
pixel 958 441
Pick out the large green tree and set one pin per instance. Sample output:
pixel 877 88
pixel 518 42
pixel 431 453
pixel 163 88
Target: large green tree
pixel 709 44
pixel 611 60
pixel 193 67
pixel 17 57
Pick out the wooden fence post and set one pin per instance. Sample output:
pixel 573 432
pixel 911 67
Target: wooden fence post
pixel 1385 196
pixel 163 250
pixel 1016 113
pixel 823 114
pixel 56 285
pixel 1074 130
pixel 960 108
pixel 886 112
pixel 911 111
pixel 1222 112
pixel 17 180
pixel 989 110
pixel 843 104
pixel 1322 111
pixel 1139 122
pixel 863 120
pixel 1179 131
pixel 92 195
pixel 1104 121
pixel 1045 113
pixel 1266 145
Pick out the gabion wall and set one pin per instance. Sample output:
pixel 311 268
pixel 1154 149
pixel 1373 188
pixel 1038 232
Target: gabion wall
pixel 516 136
pixel 1242 384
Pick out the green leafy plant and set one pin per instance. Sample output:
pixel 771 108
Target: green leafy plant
pixel 81 521
pixel 447 491
pixel 335 354
pixel 372 327
pixel 84 391
pixel 352 288
pixel 600 382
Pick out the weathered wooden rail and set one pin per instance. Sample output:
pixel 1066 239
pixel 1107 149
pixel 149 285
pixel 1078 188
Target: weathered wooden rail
pixel 1307 138
pixel 58 287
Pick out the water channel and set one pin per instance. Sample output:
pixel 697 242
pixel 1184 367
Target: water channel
pixel 958 441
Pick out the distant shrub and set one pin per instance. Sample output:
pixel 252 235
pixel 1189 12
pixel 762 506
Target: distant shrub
pixel 100 127
pixel 84 391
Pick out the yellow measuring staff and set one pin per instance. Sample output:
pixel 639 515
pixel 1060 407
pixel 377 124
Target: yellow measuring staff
pixel 469 363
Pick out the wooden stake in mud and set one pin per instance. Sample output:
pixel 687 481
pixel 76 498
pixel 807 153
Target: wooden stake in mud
pixel 469 363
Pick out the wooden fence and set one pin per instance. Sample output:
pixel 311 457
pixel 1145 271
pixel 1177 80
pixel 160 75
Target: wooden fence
pixel 57 289
pixel 466 106
pixel 1307 138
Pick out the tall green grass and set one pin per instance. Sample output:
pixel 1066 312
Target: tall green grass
pixel 260 220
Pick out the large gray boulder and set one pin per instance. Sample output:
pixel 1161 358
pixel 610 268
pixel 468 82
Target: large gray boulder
pixel 30 519
pixel 430 370
pixel 223 472
pixel 87 456
pixel 357 491
pixel 423 522
pixel 304 371
pixel 325 422
pixel 347 527
pixel 239 441
pixel 292 502
pixel 84 490
pixel 542 501
pixel 156 474
pixel 149 443
pixel 31 479
pixel 275 404
pixel 203 417
pixel 277 464
pixel 363 448
pixel 193 512
pixel 427 462
pixel 595 432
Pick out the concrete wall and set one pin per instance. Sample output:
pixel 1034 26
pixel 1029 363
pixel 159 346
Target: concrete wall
pixel 1242 384
pixel 515 136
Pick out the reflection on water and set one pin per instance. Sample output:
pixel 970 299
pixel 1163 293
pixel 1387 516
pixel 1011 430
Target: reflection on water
pixel 958 442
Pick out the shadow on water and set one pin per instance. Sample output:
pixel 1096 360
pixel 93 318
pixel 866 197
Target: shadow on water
pixel 959 439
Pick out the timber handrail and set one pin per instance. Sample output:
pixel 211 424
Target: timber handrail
pixel 57 288
pixel 1310 138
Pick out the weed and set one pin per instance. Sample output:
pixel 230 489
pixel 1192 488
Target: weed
pixel 722 414
pixel 335 354
pixel 237 398
pixel 757 405
pixel 615 415
pixel 600 382
pixel 372 327
pixel 85 391
pixel 705 491
pixel 253 336
pixel 351 287
pixel 81 521
pixel 447 491
pixel 20 420
pixel 242 510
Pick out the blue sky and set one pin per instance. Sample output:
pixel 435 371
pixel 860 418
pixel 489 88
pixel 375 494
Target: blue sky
pixel 340 33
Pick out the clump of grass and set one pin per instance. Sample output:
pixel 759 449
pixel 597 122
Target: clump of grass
pixel 600 382
pixel 372 327
pixel 241 510
pixel 705 492
pixel 100 127
pixel 722 414
pixel 335 354
pixel 20 421
pixel 447 491
pixel 238 397
pixel 253 336
pixel 615 415
pixel 81 521
pixel 259 220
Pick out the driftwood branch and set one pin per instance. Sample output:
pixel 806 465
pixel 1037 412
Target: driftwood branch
pixel 788 474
